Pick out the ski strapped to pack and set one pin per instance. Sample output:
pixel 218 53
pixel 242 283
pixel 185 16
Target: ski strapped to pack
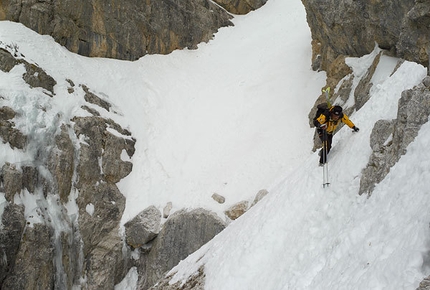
pixel 326 182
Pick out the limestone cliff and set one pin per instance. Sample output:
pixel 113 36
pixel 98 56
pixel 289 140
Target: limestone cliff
pixel 125 29
pixel 60 207
pixel 352 28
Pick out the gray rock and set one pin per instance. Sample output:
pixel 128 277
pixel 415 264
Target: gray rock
pixel 182 234
pixel 61 164
pixel 236 210
pixel 12 181
pixel 241 6
pixel 414 38
pixel 118 29
pixel 57 249
pixel 93 129
pixel 109 205
pixel 114 168
pixel 413 112
pixel 13 223
pixel 260 195
pixel 96 100
pixel 30 178
pixel 7 61
pixel 194 282
pixel 218 198
pixel 167 209
pixel 143 228
pixel 34 75
pixel 6 113
pixel 34 267
pixel 353 27
pixel 382 130
pixel 426 81
pixel 361 93
pixel 37 77
pixel 106 264
pixel 101 145
pixel 8 133
pixel 425 284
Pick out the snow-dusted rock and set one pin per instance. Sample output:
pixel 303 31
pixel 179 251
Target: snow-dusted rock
pixel 218 198
pixel 236 210
pixel 13 223
pixel 12 181
pixel 143 228
pixel 167 209
pixel 259 196
pixel 69 163
pixel 33 265
pixel 401 29
pixel 389 139
pixel 123 30
pixel 182 234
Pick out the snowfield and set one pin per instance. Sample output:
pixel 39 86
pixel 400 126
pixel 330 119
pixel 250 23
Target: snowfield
pixel 232 118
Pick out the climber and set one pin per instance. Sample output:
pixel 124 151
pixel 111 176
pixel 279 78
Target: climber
pixel 326 122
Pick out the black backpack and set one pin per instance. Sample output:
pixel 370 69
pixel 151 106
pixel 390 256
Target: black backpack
pixel 322 109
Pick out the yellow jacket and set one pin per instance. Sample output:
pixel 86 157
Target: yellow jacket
pixel 332 124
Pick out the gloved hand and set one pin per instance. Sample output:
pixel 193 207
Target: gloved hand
pixel 323 126
pixel 355 129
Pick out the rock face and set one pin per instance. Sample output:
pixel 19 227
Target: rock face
pixel 37 248
pixel 237 210
pixel 143 228
pixel 122 29
pixel 194 282
pixel 49 247
pixel 341 75
pixel 351 28
pixel 425 284
pixel 390 138
pixel 241 6
pixel 182 234
pixel 13 224
pixel 414 40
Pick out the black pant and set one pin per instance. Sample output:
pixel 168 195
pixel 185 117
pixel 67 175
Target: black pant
pixel 323 157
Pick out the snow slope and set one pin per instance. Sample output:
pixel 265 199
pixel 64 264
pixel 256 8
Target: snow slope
pixel 302 236
pixel 231 118
pixel 226 118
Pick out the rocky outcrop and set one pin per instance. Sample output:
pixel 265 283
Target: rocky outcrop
pixel 237 210
pixel 124 30
pixel 260 195
pixel 414 39
pixel 218 198
pixel 70 233
pixel 193 282
pixel 351 28
pixel 182 234
pixel 425 284
pixel 349 85
pixel 13 224
pixel 34 267
pixel 241 6
pixel 34 75
pixel 143 228
pixel 390 138
pixel 70 163
pixel 167 209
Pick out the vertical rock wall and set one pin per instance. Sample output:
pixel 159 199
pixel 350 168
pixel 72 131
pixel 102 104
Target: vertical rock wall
pixel 353 27
pixel 44 245
pixel 120 29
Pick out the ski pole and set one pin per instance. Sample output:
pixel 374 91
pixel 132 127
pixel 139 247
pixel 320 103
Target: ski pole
pixel 325 163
